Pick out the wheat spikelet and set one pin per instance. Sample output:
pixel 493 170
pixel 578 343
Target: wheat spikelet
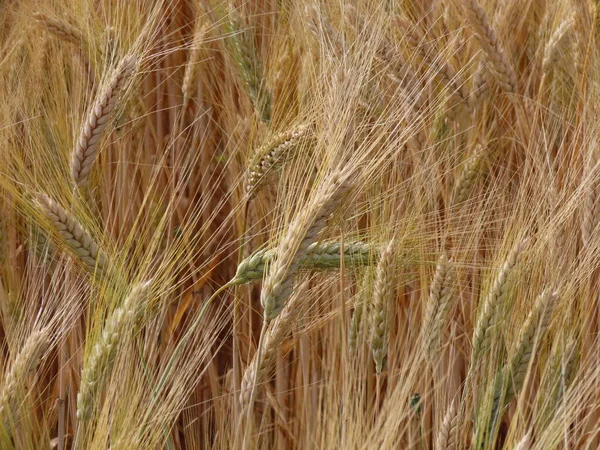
pixel 494 304
pixel 24 365
pixel 86 148
pixel 100 361
pixel 293 248
pixel 498 63
pixel 60 29
pixel 273 154
pixel 465 183
pixel 446 437
pixel 76 237
pixel 556 44
pixel 382 294
pixel 440 300
pixel 260 367
pixel 249 66
pixel 534 327
pixel 319 256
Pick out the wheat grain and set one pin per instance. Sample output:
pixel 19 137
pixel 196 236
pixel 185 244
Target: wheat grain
pixel 99 362
pixel 94 125
pixel 382 295
pixel 75 236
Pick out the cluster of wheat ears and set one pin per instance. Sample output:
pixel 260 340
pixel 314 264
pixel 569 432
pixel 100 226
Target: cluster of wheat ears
pixel 359 224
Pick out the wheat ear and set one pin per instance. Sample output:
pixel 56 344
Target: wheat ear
pixel 272 155
pixel 249 66
pixel 293 248
pixel 382 296
pixel 101 359
pixel 263 362
pixel 360 312
pixel 493 304
pixel 189 84
pixel 467 179
pixel 438 306
pixel 446 437
pixel 25 364
pixel 556 45
pixel 60 29
pixel 536 324
pixel 319 256
pixel 76 237
pixel 94 125
pixel 498 63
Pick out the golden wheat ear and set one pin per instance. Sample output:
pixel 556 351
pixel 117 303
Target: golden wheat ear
pixel 24 365
pixel 96 122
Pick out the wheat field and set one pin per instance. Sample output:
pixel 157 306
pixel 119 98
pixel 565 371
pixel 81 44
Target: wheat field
pixel 323 224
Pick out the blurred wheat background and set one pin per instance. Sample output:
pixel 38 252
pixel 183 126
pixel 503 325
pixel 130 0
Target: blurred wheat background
pixel 270 224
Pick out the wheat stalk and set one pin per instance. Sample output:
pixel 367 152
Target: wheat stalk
pixel 94 125
pixel 272 155
pixel 293 248
pixel 524 443
pixel 101 359
pixel 493 305
pixel 24 365
pixel 75 236
pixel 498 63
pixel 319 256
pixel 382 295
